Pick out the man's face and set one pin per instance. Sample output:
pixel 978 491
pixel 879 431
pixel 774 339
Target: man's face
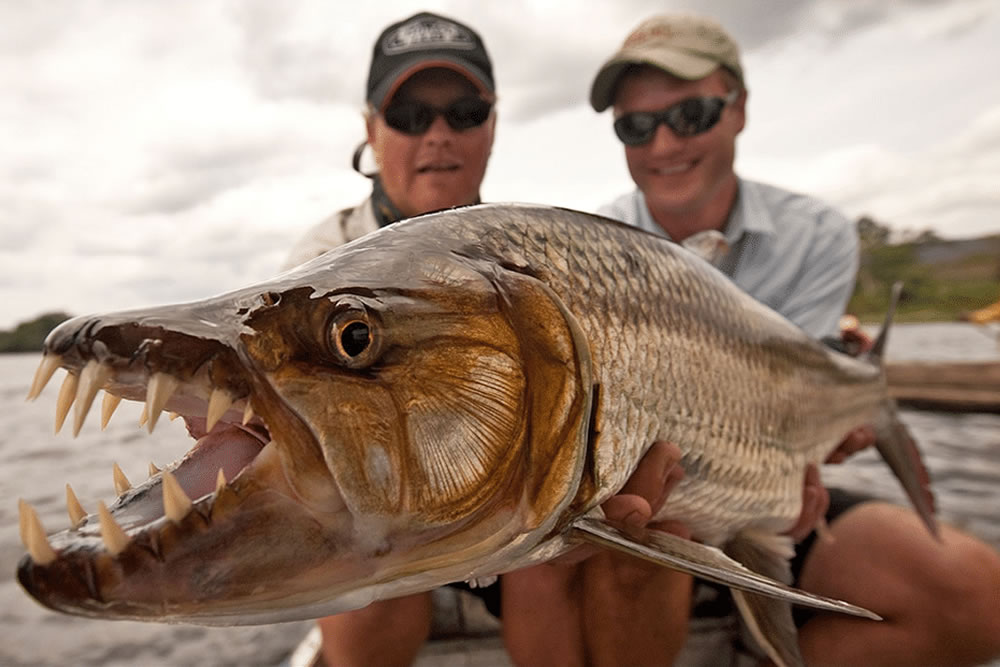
pixel 680 175
pixel 441 167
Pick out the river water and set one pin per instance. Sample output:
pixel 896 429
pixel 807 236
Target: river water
pixel 962 453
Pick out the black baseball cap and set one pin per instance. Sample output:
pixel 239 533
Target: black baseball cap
pixel 421 42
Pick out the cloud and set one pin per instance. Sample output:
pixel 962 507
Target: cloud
pixel 171 151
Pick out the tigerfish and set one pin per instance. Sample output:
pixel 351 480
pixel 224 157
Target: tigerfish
pixel 447 399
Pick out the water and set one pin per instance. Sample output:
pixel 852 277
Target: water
pixel 962 452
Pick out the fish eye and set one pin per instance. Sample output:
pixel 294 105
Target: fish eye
pixel 355 337
pixel 352 339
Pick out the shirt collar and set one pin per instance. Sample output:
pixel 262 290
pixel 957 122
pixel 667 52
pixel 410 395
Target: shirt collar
pixel 750 215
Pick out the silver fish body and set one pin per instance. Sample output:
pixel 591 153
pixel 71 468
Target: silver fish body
pixel 449 398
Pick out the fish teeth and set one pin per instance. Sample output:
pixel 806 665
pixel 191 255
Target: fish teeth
pixel 159 390
pixel 115 538
pixel 92 378
pixel 108 407
pixel 153 469
pixel 33 535
pixel 220 482
pixel 176 503
pixel 22 515
pixel 48 366
pixel 67 393
pixel 248 412
pixel 121 481
pixel 218 404
pixel 76 512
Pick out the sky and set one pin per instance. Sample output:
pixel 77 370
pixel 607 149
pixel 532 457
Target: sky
pixel 154 152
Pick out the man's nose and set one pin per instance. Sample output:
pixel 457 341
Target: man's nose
pixel 664 140
pixel 439 131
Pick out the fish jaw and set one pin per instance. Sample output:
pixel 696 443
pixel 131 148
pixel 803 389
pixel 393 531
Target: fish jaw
pixel 207 537
pixel 343 479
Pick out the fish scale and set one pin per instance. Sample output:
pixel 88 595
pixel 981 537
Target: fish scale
pixel 731 361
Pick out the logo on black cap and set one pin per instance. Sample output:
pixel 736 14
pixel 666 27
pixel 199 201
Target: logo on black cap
pixel 427 33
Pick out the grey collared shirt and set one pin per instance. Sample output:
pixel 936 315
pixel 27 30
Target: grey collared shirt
pixel 791 252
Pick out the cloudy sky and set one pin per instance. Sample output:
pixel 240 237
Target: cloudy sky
pixel 161 151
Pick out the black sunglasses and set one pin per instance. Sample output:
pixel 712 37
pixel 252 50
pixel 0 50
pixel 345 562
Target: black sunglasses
pixel 413 117
pixel 686 118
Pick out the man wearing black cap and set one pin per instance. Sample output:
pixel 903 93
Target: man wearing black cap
pixel 430 124
pixel 678 94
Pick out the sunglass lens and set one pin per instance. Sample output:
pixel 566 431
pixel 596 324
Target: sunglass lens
pixel 635 128
pixel 409 117
pixel 467 113
pixel 695 115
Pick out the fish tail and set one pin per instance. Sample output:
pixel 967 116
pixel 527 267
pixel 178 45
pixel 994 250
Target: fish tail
pixel 893 439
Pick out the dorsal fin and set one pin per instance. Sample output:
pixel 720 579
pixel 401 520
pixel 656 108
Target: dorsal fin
pixel 878 349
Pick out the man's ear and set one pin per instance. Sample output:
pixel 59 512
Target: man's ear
pixel 740 106
pixel 370 126
pixel 493 129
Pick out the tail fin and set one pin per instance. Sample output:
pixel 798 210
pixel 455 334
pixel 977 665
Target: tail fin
pixel 899 451
pixel 894 442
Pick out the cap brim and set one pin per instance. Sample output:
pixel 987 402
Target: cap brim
pixel 679 63
pixel 391 83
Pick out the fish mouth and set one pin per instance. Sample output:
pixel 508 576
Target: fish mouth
pixel 140 557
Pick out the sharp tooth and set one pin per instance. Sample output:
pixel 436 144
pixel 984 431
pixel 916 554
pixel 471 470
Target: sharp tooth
pixel 173 415
pixel 115 539
pixel 153 469
pixel 22 515
pixel 176 503
pixel 48 366
pixel 144 417
pixel 108 407
pixel 220 481
pixel 121 481
pixel 248 413
pixel 161 387
pixel 218 403
pixel 33 535
pixel 67 392
pixel 76 512
pixel 92 378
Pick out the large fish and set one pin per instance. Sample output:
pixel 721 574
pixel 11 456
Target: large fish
pixel 447 399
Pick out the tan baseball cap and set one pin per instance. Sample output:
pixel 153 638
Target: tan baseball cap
pixel 685 45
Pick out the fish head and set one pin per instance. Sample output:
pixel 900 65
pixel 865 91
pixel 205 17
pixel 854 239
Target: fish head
pixel 384 419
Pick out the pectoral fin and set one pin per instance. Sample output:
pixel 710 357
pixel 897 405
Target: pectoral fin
pixel 702 561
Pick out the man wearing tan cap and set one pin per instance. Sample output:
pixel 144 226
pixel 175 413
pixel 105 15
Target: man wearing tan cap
pixel 678 93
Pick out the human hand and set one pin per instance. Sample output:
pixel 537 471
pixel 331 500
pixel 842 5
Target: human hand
pixel 815 502
pixel 855 341
pixel 642 496
pixel 858 439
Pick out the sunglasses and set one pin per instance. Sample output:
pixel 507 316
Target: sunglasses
pixel 412 117
pixel 687 118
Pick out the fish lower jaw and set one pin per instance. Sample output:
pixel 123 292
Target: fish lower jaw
pixel 230 439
